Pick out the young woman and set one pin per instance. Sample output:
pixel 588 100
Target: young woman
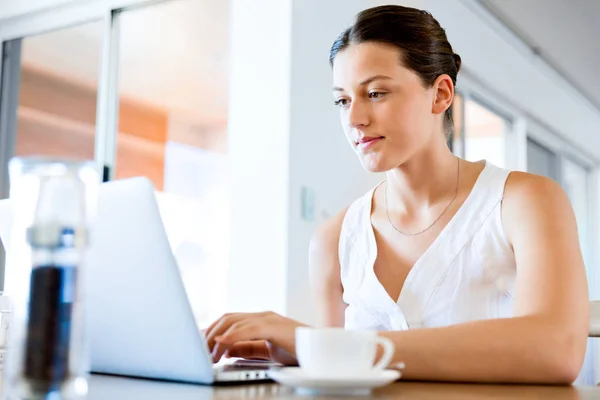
pixel 473 271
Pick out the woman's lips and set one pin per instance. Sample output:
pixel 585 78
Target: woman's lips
pixel 368 142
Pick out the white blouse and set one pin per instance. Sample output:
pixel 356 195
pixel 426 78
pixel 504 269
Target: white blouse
pixel 468 273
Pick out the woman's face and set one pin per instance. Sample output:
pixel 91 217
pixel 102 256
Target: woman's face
pixel 386 112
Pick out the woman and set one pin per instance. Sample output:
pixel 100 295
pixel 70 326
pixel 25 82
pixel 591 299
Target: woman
pixel 474 272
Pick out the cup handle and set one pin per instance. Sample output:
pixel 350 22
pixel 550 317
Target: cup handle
pixel 388 353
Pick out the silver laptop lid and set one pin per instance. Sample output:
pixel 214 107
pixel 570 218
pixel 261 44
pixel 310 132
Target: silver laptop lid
pixel 141 322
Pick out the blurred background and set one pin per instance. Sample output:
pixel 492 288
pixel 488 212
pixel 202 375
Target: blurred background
pixel 226 107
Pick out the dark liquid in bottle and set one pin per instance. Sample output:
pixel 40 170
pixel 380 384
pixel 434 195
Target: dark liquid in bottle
pixel 49 326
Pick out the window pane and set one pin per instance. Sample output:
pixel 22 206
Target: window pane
pixel 484 134
pixel 172 129
pixel 541 161
pixel 575 183
pixel 57 97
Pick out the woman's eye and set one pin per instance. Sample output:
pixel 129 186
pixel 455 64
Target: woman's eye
pixel 341 102
pixel 376 95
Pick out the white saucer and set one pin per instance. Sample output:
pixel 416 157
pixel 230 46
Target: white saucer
pixel 354 385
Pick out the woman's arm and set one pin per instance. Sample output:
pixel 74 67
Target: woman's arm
pixel 324 269
pixel 546 340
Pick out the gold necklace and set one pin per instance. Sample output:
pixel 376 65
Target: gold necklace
pixel 437 219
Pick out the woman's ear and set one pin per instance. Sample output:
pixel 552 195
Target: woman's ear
pixel 443 94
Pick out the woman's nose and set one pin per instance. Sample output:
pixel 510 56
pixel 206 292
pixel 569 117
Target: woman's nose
pixel 358 115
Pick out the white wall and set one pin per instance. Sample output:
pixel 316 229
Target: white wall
pixel 258 140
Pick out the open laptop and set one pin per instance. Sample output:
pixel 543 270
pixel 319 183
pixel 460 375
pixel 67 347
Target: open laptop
pixel 140 321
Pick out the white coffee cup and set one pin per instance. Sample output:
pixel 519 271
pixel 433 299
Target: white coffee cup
pixel 340 352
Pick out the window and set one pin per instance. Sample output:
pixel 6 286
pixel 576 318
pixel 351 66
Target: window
pixel 173 130
pixel 57 94
pixel 484 134
pixel 478 133
pixel 51 103
pixel 576 183
pixel 172 117
pixel 541 160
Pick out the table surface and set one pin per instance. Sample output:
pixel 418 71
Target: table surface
pixel 115 388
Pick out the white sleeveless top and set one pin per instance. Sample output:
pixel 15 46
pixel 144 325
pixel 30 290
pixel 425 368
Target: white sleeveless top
pixel 468 273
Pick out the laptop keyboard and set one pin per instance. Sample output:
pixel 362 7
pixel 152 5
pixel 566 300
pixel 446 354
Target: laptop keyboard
pixel 244 367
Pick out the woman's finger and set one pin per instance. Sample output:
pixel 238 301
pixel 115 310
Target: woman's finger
pixel 256 349
pixel 280 355
pixel 221 326
pixel 241 331
pixel 225 324
pixel 219 350
pixel 252 350
pixel 211 327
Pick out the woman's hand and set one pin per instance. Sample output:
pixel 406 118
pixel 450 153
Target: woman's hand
pixel 261 350
pixel 245 333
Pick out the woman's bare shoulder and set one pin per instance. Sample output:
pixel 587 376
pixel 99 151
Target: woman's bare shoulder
pixel 523 188
pixel 325 241
pixel 327 237
pixel 531 199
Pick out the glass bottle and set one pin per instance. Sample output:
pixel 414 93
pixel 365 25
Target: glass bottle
pixel 54 203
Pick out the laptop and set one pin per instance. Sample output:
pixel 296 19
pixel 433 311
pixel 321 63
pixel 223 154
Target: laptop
pixel 140 321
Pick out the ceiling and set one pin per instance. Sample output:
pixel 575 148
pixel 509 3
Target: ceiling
pixel 566 33
pixel 173 56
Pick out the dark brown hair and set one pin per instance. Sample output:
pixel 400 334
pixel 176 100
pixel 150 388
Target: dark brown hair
pixel 423 45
